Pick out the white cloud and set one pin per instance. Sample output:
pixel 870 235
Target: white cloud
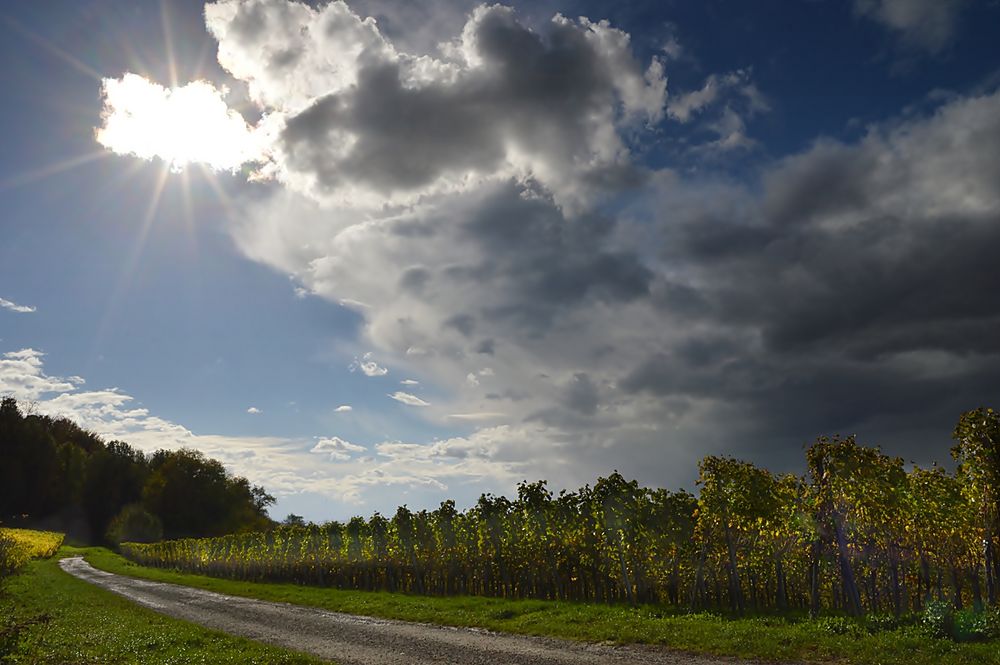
pixel 368 366
pixel 480 416
pixel 21 375
pixel 927 24
pixel 343 408
pixel 724 102
pixel 409 382
pixel 253 410
pixel 286 467
pixel 336 448
pixel 14 307
pixel 408 399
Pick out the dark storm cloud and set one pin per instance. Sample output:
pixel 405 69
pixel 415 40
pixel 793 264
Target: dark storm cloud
pixel 541 263
pixel 860 292
pixel 581 394
pixel 851 288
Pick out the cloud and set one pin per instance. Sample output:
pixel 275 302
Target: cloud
pixel 343 408
pixel 408 399
pixel 286 467
pixel 183 125
pixel 336 448
pixel 368 366
pixel 14 307
pixel 476 417
pixel 481 204
pixel 838 289
pixel 409 382
pixel 21 375
pixel 930 25
pixel 253 410
pixel 364 124
pixel 725 102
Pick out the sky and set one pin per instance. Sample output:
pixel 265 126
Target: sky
pixel 378 253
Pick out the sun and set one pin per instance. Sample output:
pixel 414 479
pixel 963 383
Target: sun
pixel 183 125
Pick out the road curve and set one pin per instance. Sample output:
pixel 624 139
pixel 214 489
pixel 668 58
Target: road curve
pixel 357 640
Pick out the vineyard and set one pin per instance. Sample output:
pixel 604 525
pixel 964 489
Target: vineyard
pixel 861 533
pixel 18 546
pixel 33 544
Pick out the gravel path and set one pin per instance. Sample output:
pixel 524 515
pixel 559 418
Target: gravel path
pixel 356 640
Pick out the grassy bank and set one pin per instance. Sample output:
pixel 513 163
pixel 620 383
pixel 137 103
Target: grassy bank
pixel 769 638
pixel 47 616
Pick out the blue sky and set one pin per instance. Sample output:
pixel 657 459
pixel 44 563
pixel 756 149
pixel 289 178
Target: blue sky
pixel 577 281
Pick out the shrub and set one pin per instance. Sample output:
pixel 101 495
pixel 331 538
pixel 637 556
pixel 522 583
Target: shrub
pixel 970 626
pixel 134 524
pixel 992 622
pixel 939 618
pixel 881 623
pixel 837 625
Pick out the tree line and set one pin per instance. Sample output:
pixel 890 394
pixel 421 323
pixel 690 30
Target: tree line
pixel 860 532
pixel 56 475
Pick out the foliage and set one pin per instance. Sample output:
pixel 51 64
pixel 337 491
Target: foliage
pixel 841 625
pixel 860 535
pixel 939 619
pixel 26 544
pixel 135 524
pixel 56 473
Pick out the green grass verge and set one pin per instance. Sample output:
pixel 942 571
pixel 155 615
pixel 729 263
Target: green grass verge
pixel 766 638
pixel 47 616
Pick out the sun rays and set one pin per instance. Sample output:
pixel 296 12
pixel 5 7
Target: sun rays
pixel 170 121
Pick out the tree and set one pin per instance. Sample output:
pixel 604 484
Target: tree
pixel 195 496
pixel 116 474
pixel 293 520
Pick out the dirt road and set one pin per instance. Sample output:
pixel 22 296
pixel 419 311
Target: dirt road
pixel 355 640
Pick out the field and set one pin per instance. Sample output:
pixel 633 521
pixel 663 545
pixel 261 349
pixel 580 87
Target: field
pixel 766 637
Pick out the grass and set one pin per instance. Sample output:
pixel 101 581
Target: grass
pixel 766 638
pixel 47 616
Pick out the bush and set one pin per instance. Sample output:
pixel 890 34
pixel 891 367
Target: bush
pixel 134 524
pixel 881 623
pixel 939 619
pixel 970 626
pixel 942 621
pixel 837 625
pixel 992 621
